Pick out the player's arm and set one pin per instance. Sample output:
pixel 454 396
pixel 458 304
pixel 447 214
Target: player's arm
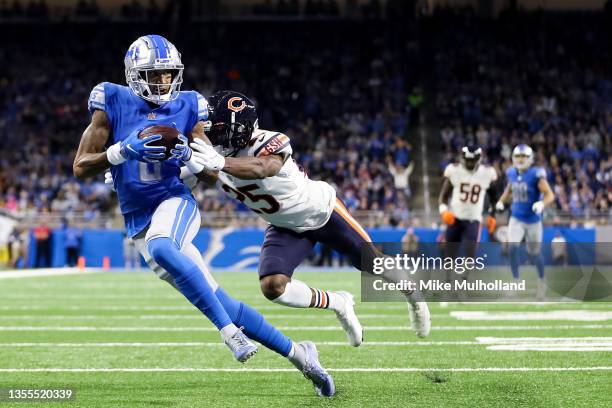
pixel 445 193
pixel 547 196
pixel 207 176
pixel 91 159
pixel 505 198
pixel 252 168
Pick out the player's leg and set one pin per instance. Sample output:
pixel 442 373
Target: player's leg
pixel 470 239
pixel 516 233
pixel 345 235
pixel 175 222
pixel 302 355
pixel 452 238
pixel 533 240
pixel 283 250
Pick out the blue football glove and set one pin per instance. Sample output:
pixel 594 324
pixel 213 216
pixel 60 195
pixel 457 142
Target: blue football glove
pixel 181 150
pixel 134 148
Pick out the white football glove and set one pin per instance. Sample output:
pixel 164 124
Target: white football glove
pixel 442 208
pixel 499 206
pixel 108 180
pixel 206 156
pixel 538 207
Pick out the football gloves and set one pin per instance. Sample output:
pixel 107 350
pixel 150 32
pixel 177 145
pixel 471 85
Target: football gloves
pixel 206 156
pixel 538 207
pixel 447 215
pixel 133 148
pixel 491 224
pixel 181 150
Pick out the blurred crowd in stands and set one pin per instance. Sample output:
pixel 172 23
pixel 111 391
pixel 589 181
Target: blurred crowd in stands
pixel 346 102
pixel 538 79
pixel 79 10
pixel 350 102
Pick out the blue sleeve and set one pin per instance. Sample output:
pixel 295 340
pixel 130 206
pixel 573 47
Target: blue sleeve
pixel 97 98
pixel 202 107
pixel 540 173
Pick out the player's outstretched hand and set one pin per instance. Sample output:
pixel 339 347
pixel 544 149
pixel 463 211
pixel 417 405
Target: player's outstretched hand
pixel 134 148
pixel 538 207
pixel 207 156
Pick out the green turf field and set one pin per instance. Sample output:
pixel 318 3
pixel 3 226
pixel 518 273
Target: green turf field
pixel 129 340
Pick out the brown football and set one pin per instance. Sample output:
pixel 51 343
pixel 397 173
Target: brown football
pixel 169 136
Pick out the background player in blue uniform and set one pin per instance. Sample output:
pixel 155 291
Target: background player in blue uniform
pixel 530 194
pixel 161 215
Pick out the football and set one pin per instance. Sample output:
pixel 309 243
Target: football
pixel 169 136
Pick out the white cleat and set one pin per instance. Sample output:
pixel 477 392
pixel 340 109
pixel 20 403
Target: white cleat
pixel 420 318
pixel 349 321
pixel 314 371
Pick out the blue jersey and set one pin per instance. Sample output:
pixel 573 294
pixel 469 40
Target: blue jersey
pixel 525 192
pixel 141 187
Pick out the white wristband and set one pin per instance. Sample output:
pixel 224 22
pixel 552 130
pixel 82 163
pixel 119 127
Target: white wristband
pixel 113 154
pixel 194 166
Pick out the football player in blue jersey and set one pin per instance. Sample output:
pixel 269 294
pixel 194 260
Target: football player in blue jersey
pixel 530 194
pixel 161 215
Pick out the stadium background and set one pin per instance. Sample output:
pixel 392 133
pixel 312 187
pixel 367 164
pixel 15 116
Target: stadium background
pixel 358 85
pixel 377 97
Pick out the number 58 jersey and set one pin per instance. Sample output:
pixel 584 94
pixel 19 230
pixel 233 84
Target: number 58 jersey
pixel 287 200
pixel 469 188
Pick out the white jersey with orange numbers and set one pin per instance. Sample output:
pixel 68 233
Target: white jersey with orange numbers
pixel 287 200
pixel 469 189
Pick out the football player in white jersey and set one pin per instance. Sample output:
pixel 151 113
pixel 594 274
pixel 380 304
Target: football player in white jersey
pixel 256 168
pixel 466 184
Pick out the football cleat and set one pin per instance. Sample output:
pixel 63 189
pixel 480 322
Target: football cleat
pixel 314 371
pixel 241 346
pixel 420 318
pixel 349 321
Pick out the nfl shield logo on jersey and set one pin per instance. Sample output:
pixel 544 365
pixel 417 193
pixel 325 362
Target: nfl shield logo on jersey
pixel 152 116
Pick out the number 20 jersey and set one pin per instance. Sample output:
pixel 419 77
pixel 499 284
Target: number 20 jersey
pixel 141 187
pixel 287 200
pixel 525 192
pixel 469 188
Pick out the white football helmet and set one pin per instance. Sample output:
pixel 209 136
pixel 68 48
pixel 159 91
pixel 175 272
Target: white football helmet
pixel 146 55
pixel 522 157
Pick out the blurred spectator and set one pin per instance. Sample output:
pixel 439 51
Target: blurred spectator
pixel 559 249
pixel 72 242
pixel 42 235
pixel 410 243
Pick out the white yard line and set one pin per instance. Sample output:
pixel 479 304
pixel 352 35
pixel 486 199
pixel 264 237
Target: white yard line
pixel 551 347
pixel 295 316
pixel 573 315
pixel 580 344
pixel 46 272
pixel 293 328
pixel 220 344
pixel 291 370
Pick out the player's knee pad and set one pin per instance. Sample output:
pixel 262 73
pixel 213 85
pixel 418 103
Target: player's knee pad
pixel 273 286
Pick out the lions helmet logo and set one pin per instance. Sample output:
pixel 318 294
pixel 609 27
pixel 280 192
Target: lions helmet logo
pixel 236 104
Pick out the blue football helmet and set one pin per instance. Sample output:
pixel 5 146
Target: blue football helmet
pixel 145 58
pixel 522 157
